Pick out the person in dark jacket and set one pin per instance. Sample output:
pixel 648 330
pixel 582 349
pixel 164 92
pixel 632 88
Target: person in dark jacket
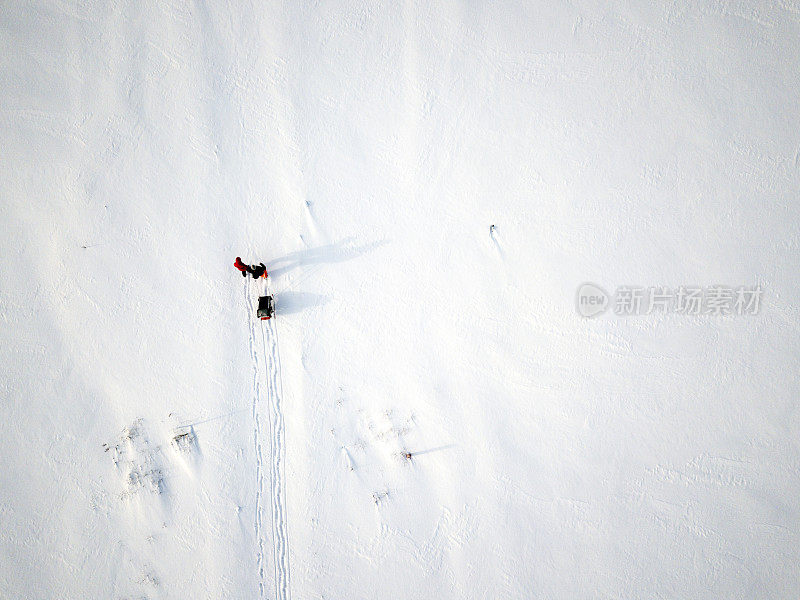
pixel 258 270
pixel 241 266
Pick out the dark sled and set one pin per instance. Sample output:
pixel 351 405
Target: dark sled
pixel 266 308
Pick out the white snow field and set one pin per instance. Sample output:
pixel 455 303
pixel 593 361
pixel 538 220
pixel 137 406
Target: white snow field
pixel 158 441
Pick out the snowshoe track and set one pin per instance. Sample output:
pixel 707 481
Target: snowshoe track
pixel 280 534
pixel 257 437
pixel 276 482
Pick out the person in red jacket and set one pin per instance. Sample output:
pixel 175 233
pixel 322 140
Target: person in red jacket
pixel 241 266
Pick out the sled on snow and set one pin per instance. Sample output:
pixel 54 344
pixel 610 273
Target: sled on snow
pixel 266 308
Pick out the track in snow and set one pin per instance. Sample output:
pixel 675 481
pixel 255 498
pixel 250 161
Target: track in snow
pixel 277 489
pixel 256 440
pixel 280 533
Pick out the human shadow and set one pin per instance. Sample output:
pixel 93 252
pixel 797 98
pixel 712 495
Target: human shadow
pixel 429 450
pixel 337 252
pixel 294 302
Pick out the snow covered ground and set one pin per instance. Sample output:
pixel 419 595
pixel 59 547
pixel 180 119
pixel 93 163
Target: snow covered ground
pixel 157 441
